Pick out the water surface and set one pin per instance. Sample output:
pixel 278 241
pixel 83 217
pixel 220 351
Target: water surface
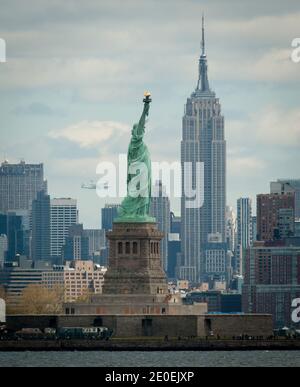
pixel 151 359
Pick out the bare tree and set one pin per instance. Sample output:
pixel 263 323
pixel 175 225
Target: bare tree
pixel 36 299
pixel 86 296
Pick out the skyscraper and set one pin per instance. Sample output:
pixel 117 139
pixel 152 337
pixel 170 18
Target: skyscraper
pixel 12 225
pixel 19 185
pixel 202 142
pixel 40 246
pixel 244 232
pixel 97 242
pixel 174 248
pixel 64 214
pixel 160 210
pixel 76 245
pixel 175 224
pixel 244 219
pixel 108 214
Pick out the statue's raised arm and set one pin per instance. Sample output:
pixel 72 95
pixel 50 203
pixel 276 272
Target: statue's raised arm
pixel 139 129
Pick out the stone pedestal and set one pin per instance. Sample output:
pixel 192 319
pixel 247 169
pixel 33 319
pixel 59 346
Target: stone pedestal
pixel 135 283
pixel 135 266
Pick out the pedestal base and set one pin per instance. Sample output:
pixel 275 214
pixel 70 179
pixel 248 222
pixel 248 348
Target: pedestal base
pixel 134 261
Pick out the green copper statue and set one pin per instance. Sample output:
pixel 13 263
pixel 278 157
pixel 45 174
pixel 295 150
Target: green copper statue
pixel 135 207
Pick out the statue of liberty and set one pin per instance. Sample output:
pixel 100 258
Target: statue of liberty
pixel 136 206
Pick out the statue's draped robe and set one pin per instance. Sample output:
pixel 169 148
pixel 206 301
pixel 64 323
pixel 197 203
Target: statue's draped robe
pixel 136 205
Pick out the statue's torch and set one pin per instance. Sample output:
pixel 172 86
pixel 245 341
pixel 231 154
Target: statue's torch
pixel 147 96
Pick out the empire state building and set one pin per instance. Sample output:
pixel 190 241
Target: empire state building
pixel 202 144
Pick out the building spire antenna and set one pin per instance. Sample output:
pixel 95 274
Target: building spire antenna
pixel 203 39
pixel 203 84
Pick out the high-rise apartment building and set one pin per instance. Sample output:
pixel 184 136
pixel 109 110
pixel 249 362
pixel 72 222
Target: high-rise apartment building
pixel 160 210
pixel 19 185
pixel 272 279
pixel 64 214
pixel 202 142
pixel 283 186
pixel 40 246
pixel 269 208
pixel 286 223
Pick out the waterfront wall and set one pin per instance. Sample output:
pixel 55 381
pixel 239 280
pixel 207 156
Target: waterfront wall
pixel 156 326
pixel 238 325
pixel 149 345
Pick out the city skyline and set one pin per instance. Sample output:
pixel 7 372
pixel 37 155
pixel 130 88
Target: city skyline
pixel 150 186
pixel 69 97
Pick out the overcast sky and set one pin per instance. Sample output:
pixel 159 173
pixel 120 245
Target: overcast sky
pixel 76 71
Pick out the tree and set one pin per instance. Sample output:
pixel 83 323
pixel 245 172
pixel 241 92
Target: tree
pixel 86 296
pixel 36 299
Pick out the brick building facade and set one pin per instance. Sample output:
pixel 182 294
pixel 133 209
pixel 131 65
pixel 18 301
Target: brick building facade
pixel 272 279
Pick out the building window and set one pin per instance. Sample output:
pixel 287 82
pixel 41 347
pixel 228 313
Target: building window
pixel 135 248
pixel 127 248
pixel 120 248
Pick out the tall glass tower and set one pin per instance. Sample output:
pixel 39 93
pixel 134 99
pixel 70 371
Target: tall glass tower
pixel 202 142
pixel 244 232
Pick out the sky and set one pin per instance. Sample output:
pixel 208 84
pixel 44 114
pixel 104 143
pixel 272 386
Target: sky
pixel 73 82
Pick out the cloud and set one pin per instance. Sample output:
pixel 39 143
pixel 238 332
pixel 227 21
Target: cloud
pixel 91 134
pixel 245 166
pixel 276 126
pixel 74 168
pixel 43 72
pixel 269 127
pixel 272 65
pixel 36 109
pixel 71 55
pixel 94 54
